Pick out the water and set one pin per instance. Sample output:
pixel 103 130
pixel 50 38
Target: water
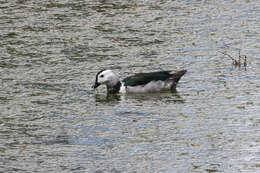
pixel 52 121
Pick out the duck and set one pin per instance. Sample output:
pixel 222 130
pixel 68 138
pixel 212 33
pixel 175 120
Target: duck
pixel 138 83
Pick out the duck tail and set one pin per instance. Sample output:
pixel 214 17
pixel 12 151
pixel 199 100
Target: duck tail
pixel 177 76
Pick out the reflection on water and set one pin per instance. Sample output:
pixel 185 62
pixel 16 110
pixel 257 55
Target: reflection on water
pixel 103 99
pixel 52 121
pixel 111 99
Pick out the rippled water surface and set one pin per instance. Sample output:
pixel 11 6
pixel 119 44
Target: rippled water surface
pixel 52 121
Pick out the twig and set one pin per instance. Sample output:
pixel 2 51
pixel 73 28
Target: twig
pixel 245 61
pixel 228 56
pixel 239 61
pixel 235 62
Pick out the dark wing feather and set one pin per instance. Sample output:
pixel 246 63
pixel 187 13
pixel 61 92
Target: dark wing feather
pixel 144 78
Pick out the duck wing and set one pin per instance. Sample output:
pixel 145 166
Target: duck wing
pixel 144 78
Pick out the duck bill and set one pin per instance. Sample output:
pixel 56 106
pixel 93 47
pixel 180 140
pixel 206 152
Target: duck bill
pixel 96 85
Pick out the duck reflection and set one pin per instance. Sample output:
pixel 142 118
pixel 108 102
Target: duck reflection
pixel 167 97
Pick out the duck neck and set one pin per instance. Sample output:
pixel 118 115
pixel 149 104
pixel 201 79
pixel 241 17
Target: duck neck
pixel 114 89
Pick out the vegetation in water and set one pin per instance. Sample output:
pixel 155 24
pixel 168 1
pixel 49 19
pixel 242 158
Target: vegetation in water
pixel 241 60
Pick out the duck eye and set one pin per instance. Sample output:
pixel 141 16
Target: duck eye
pixel 101 75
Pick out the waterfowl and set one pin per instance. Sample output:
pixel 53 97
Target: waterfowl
pixel 138 83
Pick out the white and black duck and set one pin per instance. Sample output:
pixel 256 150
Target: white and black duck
pixel 140 82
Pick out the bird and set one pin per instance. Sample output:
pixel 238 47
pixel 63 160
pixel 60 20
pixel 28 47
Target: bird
pixel 138 83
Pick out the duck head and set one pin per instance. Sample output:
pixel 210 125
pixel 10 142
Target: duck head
pixel 107 77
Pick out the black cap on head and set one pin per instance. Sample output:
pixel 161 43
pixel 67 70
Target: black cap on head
pixel 96 82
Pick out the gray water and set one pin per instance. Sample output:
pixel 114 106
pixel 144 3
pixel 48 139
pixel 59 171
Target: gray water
pixel 52 121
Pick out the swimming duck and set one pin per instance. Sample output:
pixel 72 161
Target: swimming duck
pixel 140 82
